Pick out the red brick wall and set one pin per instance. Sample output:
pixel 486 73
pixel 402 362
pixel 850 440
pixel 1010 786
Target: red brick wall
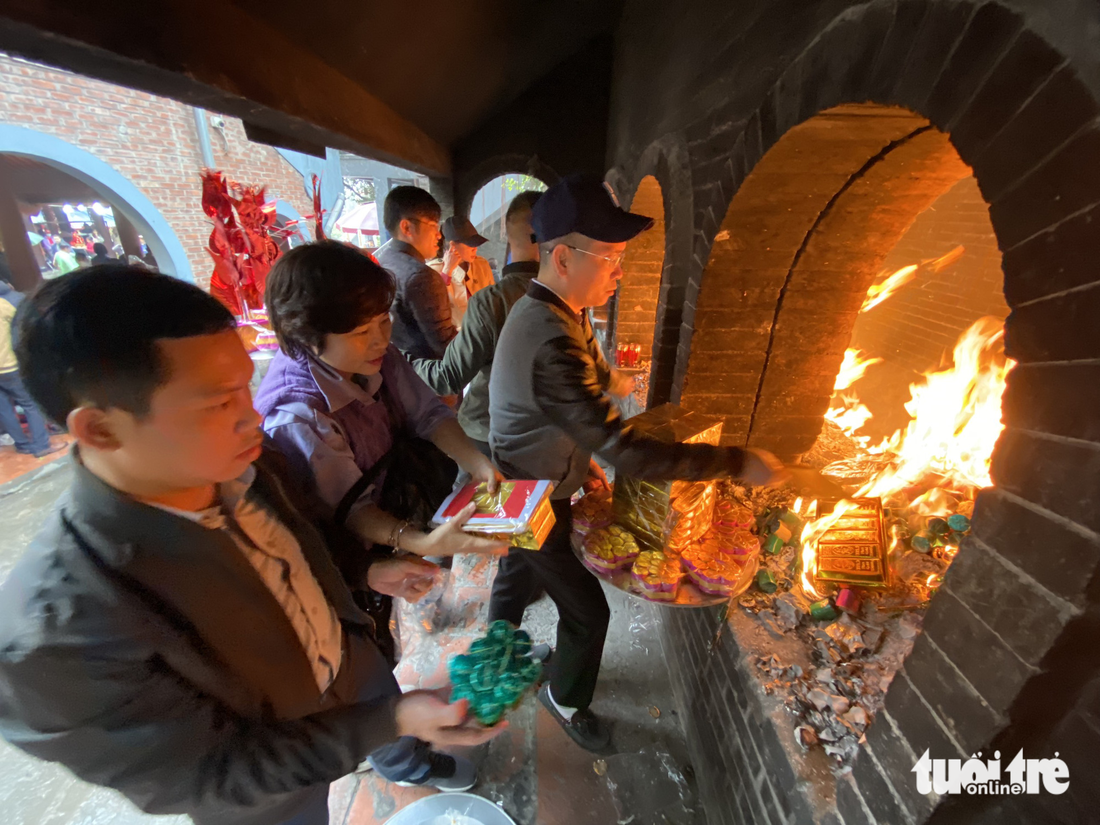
pixel 150 140
pixel 641 282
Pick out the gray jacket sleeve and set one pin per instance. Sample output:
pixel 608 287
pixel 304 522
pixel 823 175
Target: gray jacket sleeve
pixel 426 296
pixel 569 390
pixel 117 719
pixel 467 352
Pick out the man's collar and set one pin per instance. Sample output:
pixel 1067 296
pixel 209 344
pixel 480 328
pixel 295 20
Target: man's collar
pixel 407 248
pixel 542 292
pixel 337 390
pixel 520 267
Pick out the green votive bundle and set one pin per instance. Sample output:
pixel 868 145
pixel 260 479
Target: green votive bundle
pixel 495 672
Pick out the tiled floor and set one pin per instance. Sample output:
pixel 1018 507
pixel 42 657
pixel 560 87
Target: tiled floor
pixel 534 771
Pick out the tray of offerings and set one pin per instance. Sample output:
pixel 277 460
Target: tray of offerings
pixel 708 571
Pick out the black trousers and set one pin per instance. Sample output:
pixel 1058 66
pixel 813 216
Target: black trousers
pixel 582 607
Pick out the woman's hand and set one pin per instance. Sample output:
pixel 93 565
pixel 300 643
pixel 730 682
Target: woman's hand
pixel 449 539
pixel 406 578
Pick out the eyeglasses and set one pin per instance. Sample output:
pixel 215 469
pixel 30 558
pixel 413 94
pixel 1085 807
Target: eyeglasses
pixel 615 261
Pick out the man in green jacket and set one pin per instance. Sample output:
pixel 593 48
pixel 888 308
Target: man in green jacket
pixel 469 356
pixel 64 261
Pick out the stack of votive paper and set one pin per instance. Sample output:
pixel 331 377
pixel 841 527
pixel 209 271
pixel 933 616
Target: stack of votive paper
pixel 518 513
pixel 654 537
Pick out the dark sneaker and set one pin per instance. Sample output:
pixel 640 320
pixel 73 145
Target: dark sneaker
pixel 585 728
pixel 450 774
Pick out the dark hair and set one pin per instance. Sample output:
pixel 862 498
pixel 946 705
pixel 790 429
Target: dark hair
pixel 65 245
pixel 81 254
pixel 99 248
pixel 322 288
pixel 90 337
pixel 408 202
pixel 523 202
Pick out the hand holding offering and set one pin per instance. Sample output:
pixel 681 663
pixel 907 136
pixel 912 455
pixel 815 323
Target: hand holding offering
pixel 495 672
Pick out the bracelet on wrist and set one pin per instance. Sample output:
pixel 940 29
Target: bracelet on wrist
pixel 405 525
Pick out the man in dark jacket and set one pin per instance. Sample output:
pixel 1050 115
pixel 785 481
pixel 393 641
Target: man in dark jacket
pixel 180 630
pixel 421 312
pixel 468 359
pixel 549 412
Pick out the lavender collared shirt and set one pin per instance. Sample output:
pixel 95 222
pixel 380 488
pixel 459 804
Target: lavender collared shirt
pixel 319 438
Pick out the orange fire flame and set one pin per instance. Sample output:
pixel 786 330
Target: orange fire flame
pixel 956 420
pixel 882 290
pixel 847 412
pixel 852 368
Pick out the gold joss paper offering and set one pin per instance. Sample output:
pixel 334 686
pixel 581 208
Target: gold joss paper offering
pixel 518 513
pixel 729 512
pixel 657 575
pixel 735 540
pixel 609 548
pixel 713 570
pixel 592 511
pixel 853 550
pixel 668 513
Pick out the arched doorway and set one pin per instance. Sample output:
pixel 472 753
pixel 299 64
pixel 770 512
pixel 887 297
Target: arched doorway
pixel 88 173
pixel 488 209
pixel 981 91
pixel 633 320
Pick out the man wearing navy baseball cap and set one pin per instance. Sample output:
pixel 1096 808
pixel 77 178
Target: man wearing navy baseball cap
pixel 550 411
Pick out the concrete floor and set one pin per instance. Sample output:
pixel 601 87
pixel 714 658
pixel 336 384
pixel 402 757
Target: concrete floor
pixel 534 771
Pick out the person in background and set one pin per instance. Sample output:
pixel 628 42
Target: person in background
pixel 463 273
pixel 49 245
pixel 12 390
pixel 101 256
pixel 468 362
pixel 64 260
pixel 421 312
pixel 180 630
pixel 550 411
pixel 468 359
pixel 82 259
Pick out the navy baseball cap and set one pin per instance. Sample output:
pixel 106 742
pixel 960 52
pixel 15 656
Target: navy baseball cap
pixel 461 230
pixel 583 203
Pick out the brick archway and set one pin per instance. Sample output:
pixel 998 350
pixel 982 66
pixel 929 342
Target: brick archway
pixel 470 183
pixel 110 184
pixel 978 677
pixel 639 289
pixel 667 161
pixel 800 243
